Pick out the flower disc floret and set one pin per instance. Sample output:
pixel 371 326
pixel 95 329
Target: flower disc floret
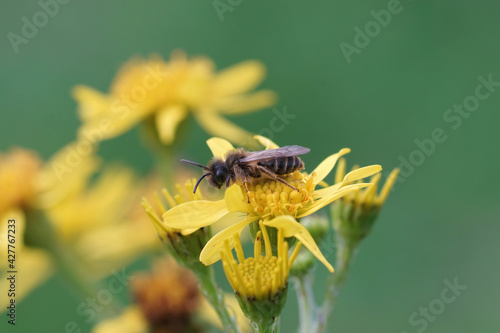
pixel 270 198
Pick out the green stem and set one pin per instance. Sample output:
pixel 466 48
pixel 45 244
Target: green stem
pixel 307 305
pixel 266 327
pixel 346 251
pixel 215 297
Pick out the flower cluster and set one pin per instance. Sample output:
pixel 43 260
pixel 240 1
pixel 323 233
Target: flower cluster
pixel 83 220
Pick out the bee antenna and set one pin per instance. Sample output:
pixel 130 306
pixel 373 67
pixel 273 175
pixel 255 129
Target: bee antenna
pixel 194 163
pixel 199 180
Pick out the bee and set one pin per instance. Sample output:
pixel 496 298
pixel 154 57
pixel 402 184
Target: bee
pixel 241 166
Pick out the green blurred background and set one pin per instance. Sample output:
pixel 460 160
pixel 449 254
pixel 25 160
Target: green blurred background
pixel 441 223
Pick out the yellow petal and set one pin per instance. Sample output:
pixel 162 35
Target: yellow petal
pixel 219 147
pixel 167 121
pixel 218 126
pixel 384 193
pixel 104 117
pixel 266 142
pixel 239 78
pixel 246 103
pixel 328 198
pixel 324 168
pixel 195 214
pixel 92 104
pixel 361 173
pixel 292 228
pixel 110 125
pixel 350 177
pixel 131 320
pixel 236 200
pixel 211 252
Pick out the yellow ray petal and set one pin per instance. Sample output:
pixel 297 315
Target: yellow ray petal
pixel 246 103
pixel 292 228
pixel 236 201
pixel 361 173
pixel 324 168
pixel 116 124
pixel 131 320
pixel 167 121
pixel 350 177
pixel 220 127
pixel 239 78
pixel 219 147
pixel 195 214
pixel 384 193
pixel 211 252
pixel 328 198
pixel 92 103
pixel 266 142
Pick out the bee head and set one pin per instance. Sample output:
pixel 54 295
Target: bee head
pixel 216 173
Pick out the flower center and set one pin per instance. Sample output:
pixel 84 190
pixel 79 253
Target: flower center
pixel 260 273
pixel 269 198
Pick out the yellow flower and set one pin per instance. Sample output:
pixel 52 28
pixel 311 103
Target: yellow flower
pixel 84 218
pixel 268 199
pixel 24 180
pixel 101 222
pixel 167 92
pixel 354 215
pixel 261 276
pixel 94 217
pixel 368 198
pixel 19 170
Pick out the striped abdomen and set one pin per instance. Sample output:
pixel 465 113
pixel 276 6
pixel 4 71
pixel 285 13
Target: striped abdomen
pixel 283 165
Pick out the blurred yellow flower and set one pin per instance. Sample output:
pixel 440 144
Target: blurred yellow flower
pixel 19 170
pixel 268 199
pixel 166 92
pixel 101 222
pixel 58 208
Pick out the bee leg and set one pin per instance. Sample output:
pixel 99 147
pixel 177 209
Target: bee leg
pixel 274 177
pixel 241 175
pixel 246 191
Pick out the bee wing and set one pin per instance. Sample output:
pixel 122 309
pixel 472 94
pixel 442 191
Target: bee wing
pixel 285 151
